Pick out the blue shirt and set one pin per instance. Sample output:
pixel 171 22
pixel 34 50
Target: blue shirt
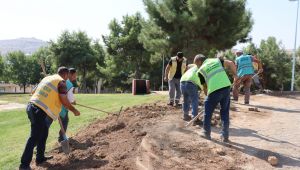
pixel 64 111
pixel 244 65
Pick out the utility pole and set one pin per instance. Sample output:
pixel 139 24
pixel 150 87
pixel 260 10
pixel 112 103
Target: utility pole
pixel 295 49
pixel 162 75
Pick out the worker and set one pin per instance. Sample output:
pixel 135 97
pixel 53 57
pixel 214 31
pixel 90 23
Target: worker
pixel 70 95
pixel 44 107
pixel 245 72
pixel 216 86
pixel 189 84
pixel 174 70
pixel 257 70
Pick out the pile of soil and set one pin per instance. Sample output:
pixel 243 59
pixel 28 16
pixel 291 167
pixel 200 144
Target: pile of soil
pixel 146 136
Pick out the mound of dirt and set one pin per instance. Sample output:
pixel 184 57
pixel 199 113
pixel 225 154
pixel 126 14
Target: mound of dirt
pixel 146 136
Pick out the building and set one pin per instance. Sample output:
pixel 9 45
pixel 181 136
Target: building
pixel 14 88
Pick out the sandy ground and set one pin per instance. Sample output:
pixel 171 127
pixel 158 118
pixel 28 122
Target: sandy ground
pixel 10 106
pixel 154 137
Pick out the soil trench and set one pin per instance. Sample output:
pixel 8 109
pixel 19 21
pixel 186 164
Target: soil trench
pixel 153 136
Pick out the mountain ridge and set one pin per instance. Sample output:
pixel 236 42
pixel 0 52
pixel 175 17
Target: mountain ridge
pixel 26 45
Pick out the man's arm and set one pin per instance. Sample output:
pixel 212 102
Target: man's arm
pixel 64 100
pixel 167 72
pixel 231 66
pixel 62 90
pixel 260 68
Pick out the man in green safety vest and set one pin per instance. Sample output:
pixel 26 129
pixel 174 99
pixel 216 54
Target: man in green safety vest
pixel 216 86
pixel 189 84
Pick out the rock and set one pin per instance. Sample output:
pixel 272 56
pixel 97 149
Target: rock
pixel 218 117
pixel 255 109
pixel 273 160
pixel 220 151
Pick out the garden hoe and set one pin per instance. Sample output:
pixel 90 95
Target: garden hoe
pixel 65 143
pixel 194 119
pixel 100 110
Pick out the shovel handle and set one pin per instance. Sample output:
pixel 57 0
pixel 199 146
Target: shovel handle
pixel 98 109
pixel 194 119
pixel 62 129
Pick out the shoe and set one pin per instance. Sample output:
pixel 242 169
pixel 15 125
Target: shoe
pixel 38 162
pixel 28 168
pixel 205 136
pixel 186 117
pixel 224 140
pixel 246 103
pixel 196 122
pixel 178 105
pixel 170 104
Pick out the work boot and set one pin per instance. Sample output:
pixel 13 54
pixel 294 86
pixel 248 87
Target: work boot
pixel 177 104
pixel 170 103
pixel 224 140
pixel 40 161
pixel 197 122
pixel 28 168
pixel 186 117
pixel 205 136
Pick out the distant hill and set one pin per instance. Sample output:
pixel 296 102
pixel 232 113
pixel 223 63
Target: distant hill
pixel 26 45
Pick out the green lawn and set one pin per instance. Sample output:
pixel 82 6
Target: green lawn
pixel 14 124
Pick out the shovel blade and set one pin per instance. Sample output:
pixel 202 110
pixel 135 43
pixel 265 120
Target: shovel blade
pixel 65 146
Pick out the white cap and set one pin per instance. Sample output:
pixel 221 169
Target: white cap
pixel 239 51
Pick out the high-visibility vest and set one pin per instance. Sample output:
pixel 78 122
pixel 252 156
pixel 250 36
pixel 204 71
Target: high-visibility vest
pixel 191 76
pixel 244 65
pixel 173 68
pixel 214 74
pixel 46 96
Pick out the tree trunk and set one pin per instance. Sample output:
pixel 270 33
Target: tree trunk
pixel 24 86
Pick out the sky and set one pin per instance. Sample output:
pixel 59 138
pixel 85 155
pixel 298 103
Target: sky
pixel 46 19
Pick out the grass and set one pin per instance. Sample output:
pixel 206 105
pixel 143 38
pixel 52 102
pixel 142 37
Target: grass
pixel 15 126
pixel 16 98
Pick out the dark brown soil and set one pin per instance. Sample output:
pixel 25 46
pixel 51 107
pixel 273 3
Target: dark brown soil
pixel 118 142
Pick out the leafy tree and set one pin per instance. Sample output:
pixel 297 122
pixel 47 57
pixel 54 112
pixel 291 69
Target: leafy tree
pixel 1 66
pixel 276 63
pixel 194 26
pixel 77 50
pixel 22 69
pixel 43 57
pixel 124 48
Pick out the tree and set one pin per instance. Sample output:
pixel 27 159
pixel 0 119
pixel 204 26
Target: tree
pixel 43 57
pixel 194 26
pixel 276 63
pixel 21 69
pixel 1 66
pixel 124 47
pixel 77 50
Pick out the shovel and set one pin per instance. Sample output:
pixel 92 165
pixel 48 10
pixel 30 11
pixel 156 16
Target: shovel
pixel 65 143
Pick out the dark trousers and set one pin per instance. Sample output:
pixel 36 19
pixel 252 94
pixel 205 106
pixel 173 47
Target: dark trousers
pixel 221 96
pixel 65 122
pixel 40 124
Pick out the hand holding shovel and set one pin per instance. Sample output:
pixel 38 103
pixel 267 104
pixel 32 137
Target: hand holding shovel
pixel 65 143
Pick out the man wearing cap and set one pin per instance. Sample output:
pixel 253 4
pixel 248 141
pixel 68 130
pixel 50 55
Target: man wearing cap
pixel 44 107
pixel 245 72
pixel 216 85
pixel 189 84
pixel 174 70
pixel 70 95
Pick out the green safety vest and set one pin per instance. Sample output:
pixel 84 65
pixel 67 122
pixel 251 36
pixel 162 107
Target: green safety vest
pixel 192 76
pixel 214 75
